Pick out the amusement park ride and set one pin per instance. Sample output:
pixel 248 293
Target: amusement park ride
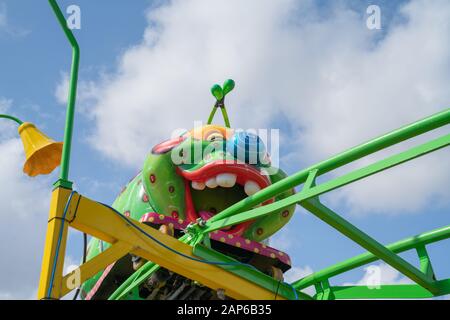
pixel 196 229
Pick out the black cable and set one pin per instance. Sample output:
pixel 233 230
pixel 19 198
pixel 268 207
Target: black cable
pixel 84 260
pixel 278 288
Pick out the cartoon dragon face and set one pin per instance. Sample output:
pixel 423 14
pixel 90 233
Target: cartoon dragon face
pixel 208 169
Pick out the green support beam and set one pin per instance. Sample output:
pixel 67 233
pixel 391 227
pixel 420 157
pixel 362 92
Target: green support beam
pixel 394 291
pixel 433 122
pixel 370 244
pixel 368 257
pixel 315 191
pixel 425 262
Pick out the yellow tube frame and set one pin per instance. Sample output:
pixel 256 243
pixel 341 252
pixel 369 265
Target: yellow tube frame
pixel 103 223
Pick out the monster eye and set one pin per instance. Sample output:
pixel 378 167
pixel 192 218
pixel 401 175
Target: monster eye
pixel 215 136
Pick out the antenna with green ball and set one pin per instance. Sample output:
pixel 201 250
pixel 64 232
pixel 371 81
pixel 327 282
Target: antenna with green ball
pixel 220 93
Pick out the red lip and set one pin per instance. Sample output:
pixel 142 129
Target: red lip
pixel 168 145
pixel 244 172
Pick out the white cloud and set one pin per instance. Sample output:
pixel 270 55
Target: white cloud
pixel 70 264
pixel 85 94
pixel 297 273
pixel 284 240
pixel 5 104
pixel 380 274
pixel 23 217
pixel 3 17
pixel 334 84
pixel 6 27
pixel 62 89
pixel 7 128
pixel 23 220
pixel 405 189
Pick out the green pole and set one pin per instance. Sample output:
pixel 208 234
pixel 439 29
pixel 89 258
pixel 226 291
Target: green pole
pixel 211 115
pixel 225 117
pixel 65 160
pixel 5 116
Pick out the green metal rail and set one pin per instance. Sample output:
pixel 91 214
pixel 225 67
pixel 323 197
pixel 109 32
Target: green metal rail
pixel 433 122
pixel 424 278
pixel 418 243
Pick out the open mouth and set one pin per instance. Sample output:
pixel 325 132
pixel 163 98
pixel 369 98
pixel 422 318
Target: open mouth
pixel 218 185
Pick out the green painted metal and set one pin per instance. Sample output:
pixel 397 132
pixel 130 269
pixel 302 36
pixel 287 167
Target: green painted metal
pixel 370 244
pixel 211 115
pixel 398 291
pixel 5 116
pixel 134 281
pixel 220 93
pixel 433 122
pixel 314 206
pixel 426 284
pixel 425 262
pixel 328 186
pixel 366 258
pixel 65 160
pixel 410 291
pixel 225 117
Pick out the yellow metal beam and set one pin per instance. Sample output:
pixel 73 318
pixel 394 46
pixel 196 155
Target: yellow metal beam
pixel 55 226
pixel 103 223
pixel 90 268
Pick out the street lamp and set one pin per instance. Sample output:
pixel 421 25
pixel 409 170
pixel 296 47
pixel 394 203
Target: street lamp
pixel 43 155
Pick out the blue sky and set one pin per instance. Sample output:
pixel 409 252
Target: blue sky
pixel 311 69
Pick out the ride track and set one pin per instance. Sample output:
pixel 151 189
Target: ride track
pixel 192 257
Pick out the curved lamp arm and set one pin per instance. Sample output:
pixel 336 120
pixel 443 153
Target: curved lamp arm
pixel 5 116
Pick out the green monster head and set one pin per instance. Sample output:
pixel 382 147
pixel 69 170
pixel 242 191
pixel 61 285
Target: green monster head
pixel 204 171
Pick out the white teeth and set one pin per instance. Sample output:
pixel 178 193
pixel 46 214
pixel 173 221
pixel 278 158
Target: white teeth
pixel 251 187
pixel 226 180
pixel 198 185
pixel 211 183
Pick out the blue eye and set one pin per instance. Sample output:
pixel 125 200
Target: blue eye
pixel 247 147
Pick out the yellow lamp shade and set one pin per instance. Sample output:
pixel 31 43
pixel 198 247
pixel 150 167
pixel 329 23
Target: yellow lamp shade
pixel 43 154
